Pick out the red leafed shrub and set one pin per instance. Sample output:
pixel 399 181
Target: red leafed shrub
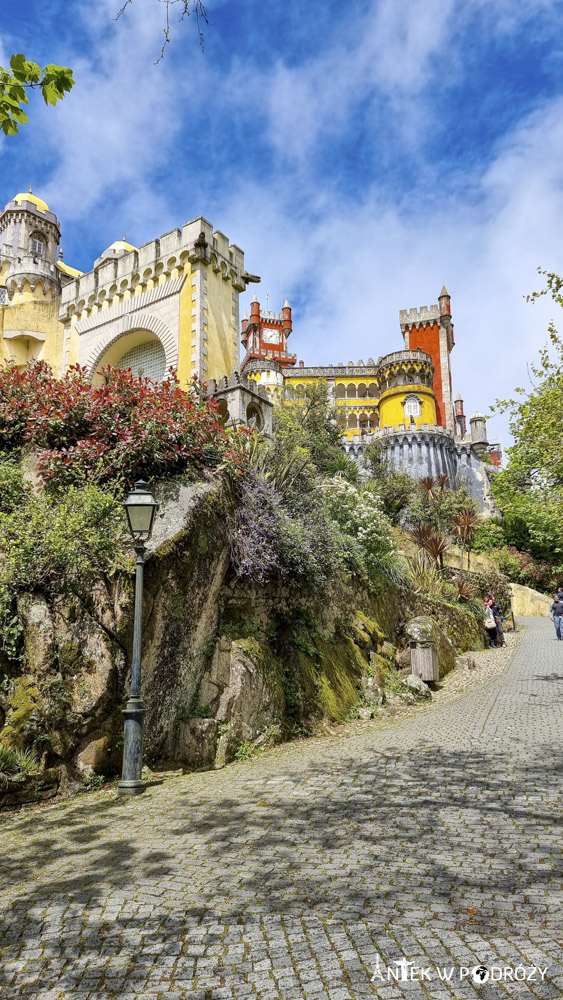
pixel 123 429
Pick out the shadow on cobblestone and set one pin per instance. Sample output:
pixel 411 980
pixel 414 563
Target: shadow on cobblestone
pixel 432 838
pixel 444 827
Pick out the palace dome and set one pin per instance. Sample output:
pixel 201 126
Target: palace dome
pixel 116 249
pixel 40 205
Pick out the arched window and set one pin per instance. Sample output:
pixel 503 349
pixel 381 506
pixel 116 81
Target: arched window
pixel 362 390
pixel 412 406
pixel 351 390
pixel 254 416
pixel 340 391
pixel 223 414
pixel 38 243
pixel 352 421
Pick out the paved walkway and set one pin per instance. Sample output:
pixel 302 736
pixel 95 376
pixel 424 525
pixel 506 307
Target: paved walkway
pixel 435 838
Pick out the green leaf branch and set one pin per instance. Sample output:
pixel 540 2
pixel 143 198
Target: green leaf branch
pixel 24 75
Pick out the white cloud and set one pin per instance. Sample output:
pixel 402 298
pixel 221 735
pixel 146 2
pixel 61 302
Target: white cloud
pixel 123 141
pixel 358 264
pixel 120 123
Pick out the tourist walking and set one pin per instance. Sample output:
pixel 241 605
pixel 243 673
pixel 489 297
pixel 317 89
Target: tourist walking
pixel 490 623
pixel 556 615
pixel 497 613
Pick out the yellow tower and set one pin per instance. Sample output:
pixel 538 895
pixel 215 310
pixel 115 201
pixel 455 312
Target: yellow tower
pixel 406 395
pixel 30 282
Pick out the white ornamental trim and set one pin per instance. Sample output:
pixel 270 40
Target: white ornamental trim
pixel 132 305
pixel 128 324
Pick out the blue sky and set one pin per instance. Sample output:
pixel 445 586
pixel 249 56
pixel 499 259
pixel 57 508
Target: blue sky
pixel 367 152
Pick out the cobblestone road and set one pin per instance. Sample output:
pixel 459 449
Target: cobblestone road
pixel 435 838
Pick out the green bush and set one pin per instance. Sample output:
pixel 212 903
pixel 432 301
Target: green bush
pixel 94 782
pixel 54 541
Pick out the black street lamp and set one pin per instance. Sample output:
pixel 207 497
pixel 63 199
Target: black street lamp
pixel 141 508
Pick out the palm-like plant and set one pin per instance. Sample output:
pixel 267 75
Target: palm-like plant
pixel 428 484
pixel 433 542
pixel 436 545
pixel 442 481
pixel 421 533
pixel 465 588
pixel 465 525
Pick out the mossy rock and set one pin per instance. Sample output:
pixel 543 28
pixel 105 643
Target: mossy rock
pixel 365 631
pixel 327 686
pixel 23 702
pixel 340 668
pixel 380 667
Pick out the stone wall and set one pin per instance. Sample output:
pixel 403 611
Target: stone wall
pixel 224 661
pixel 528 602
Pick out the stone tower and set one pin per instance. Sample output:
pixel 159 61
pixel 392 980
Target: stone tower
pixel 265 339
pixel 29 239
pixel 430 329
pixel 30 282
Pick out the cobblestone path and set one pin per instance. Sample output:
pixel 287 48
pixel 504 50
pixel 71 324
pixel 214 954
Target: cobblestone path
pixel 435 838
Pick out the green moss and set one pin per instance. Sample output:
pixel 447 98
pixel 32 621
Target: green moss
pixel 259 653
pixel 367 629
pixel 23 705
pixel 72 660
pixel 340 667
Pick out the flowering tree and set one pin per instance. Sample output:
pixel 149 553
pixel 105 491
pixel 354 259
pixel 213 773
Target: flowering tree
pixel 117 431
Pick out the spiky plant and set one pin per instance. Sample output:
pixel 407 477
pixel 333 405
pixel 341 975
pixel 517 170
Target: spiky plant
pixel 14 761
pixel 436 545
pixel 465 588
pixel 425 577
pixel 421 533
pixel 427 484
pixel 442 481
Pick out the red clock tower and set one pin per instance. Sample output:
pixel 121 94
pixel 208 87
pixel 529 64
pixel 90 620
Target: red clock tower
pixel 265 335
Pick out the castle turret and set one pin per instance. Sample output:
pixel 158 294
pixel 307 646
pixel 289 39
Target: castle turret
pixel 478 434
pixel 461 425
pixel 29 237
pixel 265 335
pixel 444 302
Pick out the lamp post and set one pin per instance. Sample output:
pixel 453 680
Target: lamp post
pixel 141 508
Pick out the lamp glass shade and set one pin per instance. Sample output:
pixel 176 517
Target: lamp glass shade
pixel 141 508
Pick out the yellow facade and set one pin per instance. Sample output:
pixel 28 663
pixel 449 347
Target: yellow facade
pixel 392 406
pixel 172 303
pixel 29 327
pixel 377 395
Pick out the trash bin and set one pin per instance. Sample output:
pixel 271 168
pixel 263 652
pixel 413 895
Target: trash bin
pixel 424 661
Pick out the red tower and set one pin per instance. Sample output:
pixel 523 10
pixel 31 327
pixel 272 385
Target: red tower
pixel 431 329
pixel 265 335
pixel 461 424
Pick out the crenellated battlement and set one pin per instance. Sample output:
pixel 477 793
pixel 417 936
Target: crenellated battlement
pixel 414 317
pixel 234 381
pixel 155 262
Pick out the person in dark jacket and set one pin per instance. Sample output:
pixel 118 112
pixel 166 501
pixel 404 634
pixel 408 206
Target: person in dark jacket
pixel 498 619
pixel 556 615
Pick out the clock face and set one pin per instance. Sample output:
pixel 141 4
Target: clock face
pixel 271 336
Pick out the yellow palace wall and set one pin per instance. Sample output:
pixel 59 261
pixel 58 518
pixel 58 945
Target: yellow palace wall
pixel 222 325
pixel 391 410
pixel 32 312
